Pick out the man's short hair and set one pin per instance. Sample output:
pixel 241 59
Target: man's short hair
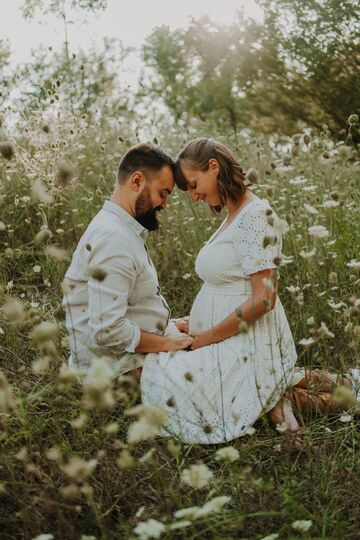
pixel 144 157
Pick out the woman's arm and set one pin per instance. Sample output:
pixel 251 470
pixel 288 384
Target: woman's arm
pixel 264 292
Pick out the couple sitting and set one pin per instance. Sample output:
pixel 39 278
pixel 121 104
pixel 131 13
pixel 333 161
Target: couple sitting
pixel 217 371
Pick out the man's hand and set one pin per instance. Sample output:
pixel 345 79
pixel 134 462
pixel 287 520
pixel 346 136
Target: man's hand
pixel 182 324
pixel 177 343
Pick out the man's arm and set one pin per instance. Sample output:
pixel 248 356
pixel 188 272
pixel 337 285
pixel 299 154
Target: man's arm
pixel 150 342
pixel 108 303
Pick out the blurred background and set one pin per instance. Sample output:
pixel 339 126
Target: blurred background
pixel 268 65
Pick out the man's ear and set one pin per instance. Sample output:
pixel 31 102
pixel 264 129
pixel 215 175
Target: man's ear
pixel 137 180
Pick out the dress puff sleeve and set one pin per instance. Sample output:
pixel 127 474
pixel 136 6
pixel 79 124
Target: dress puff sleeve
pixel 257 238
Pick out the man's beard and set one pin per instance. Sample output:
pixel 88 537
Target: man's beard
pixel 145 213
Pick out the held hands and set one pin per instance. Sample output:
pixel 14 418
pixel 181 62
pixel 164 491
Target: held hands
pixel 182 324
pixel 178 342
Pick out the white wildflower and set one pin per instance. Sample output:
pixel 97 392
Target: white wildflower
pixel 306 342
pixel 330 204
pixel 310 209
pixel 324 331
pixel 40 192
pixel 318 231
pixel 273 536
pixel 229 454
pixel 292 289
pixel 57 253
pixel 149 529
pixel 79 469
pixel 197 476
pixel 214 506
pixel 125 460
pixel 298 180
pixel 302 525
pixel 188 513
pixel 186 276
pixel 13 309
pixel 250 431
pixel 310 188
pixel 43 536
pixel 180 524
pixel 7 401
pixel 151 419
pixel 99 374
pixel 345 418
pixel 45 330
pixel 337 306
pixel 282 428
pixel 308 254
pixel 37 268
pixel 353 264
pixel 310 321
pixel 79 422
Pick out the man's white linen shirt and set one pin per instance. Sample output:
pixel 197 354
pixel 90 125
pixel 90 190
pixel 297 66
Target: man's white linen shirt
pixel 104 318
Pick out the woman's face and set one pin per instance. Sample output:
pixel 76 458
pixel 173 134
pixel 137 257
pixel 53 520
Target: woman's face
pixel 202 185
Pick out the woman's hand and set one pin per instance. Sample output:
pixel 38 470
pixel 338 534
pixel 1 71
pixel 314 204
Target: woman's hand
pixel 178 343
pixel 182 324
pixel 202 339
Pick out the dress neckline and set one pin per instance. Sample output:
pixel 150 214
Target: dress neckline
pixel 239 212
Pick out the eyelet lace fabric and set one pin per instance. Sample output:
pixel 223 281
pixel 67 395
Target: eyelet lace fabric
pixel 214 394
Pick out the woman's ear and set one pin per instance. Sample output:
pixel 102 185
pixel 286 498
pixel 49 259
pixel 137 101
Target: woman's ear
pixel 214 166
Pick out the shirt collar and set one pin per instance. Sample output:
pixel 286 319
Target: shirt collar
pixel 139 230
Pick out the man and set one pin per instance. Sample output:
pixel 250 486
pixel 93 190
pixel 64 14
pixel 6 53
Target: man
pixel 111 293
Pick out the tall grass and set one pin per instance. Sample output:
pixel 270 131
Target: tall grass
pixel 47 418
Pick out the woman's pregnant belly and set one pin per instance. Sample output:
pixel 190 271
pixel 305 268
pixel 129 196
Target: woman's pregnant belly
pixel 215 302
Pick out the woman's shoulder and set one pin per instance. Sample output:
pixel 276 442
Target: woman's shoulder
pixel 256 207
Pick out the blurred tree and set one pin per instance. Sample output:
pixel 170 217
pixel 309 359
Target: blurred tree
pixel 202 71
pixel 91 78
pixel 318 42
pixel 62 9
pixel 301 64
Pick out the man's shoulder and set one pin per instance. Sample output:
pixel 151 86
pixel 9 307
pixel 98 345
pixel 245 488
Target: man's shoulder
pixel 108 233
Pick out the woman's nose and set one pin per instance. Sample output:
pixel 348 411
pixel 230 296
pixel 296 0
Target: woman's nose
pixel 194 196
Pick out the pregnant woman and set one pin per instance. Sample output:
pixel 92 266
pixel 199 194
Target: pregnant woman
pixel 243 355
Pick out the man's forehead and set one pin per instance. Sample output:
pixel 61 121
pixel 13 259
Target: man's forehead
pixel 165 178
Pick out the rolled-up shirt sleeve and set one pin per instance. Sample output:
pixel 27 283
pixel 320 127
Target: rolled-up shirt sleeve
pixel 108 297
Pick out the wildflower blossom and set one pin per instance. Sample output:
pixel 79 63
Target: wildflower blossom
pixel 45 330
pixel 13 309
pixel 151 419
pixel 149 529
pixel 318 231
pixel 78 469
pixel 197 476
pixel 7 401
pixel 345 418
pixel 310 209
pixel 302 525
pixel 229 453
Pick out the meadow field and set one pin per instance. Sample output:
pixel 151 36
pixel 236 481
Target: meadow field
pixel 72 465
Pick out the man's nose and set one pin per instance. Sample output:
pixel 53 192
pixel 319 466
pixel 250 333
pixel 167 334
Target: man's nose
pixel 163 204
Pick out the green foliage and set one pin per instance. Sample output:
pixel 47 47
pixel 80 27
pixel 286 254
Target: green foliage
pixel 300 66
pixel 59 7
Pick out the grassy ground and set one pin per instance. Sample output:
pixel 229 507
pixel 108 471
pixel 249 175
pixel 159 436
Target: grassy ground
pixel 47 419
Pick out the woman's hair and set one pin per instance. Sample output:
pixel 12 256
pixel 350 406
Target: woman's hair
pixel 231 179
